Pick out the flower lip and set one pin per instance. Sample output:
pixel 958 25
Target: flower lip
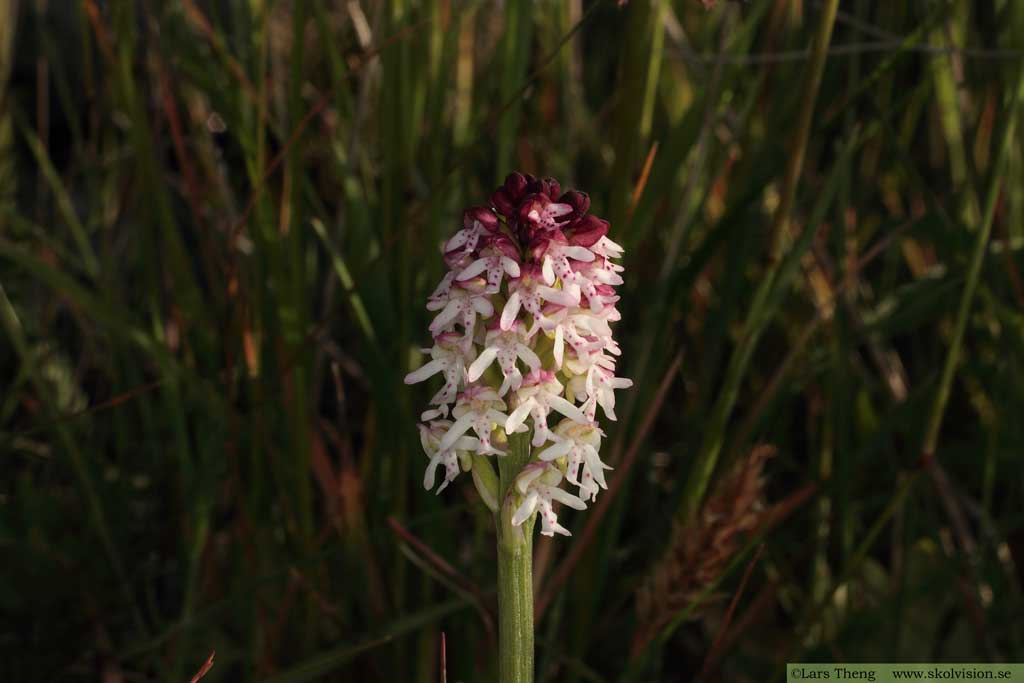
pixel 537 211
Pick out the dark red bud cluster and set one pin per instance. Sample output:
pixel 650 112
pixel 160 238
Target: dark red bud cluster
pixel 507 198
pixel 537 211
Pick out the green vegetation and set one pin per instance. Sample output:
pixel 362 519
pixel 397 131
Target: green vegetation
pixel 219 223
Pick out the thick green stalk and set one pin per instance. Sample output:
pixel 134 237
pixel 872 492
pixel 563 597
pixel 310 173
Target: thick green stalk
pixel 515 611
pixel 515 573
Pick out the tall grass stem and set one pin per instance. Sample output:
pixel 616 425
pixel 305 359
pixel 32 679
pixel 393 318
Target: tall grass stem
pixel 973 273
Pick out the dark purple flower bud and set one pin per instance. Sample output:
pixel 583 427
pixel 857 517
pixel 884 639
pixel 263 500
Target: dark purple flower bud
pixel 504 245
pixel 480 214
pixel 579 201
pixel 553 188
pixel 506 198
pixel 587 231
pixel 503 203
pixel 535 186
pixel 516 183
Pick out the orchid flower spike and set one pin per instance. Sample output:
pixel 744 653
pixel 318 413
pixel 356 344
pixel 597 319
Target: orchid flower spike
pixel 522 336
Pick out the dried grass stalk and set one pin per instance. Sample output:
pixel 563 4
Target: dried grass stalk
pixel 701 550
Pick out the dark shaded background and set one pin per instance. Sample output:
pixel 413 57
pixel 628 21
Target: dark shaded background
pixel 218 226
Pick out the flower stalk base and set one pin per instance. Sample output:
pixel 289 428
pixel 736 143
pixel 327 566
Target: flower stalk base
pixel 515 610
pixel 515 575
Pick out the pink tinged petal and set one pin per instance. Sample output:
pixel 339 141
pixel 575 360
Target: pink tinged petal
pixel 549 522
pixel 493 281
pixel 423 372
pixel 566 408
pixel 548 271
pixel 559 347
pixel 496 416
pixel 555 451
pixel 540 427
pixel 460 427
pixel 572 466
pixel 566 498
pixel 526 508
pixel 579 253
pixel 531 302
pixel 528 356
pixel 442 289
pixel 428 415
pixel 483 306
pixel 446 316
pixel 446 394
pixel 595 465
pixel 507 359
pixel 556 210
pixel 511 310
pixel 473 269
pixel 560 296
pixel 620 383
pixel 482 362
pixel 425 439
pixel 607 277
pixel 467 443
pixel 454 373
pixel 606 245
pixel 607 400
pixel 469 323
pixel 528 474
pixel 458 239
pixel 518 416
pixel 555 528
pixel 430 474
pixel 510 266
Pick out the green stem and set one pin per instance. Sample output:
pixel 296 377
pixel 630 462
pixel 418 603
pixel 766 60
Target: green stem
pixel 515 573
pixel 515 611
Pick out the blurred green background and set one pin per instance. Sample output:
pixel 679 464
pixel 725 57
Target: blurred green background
pixel 219 222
